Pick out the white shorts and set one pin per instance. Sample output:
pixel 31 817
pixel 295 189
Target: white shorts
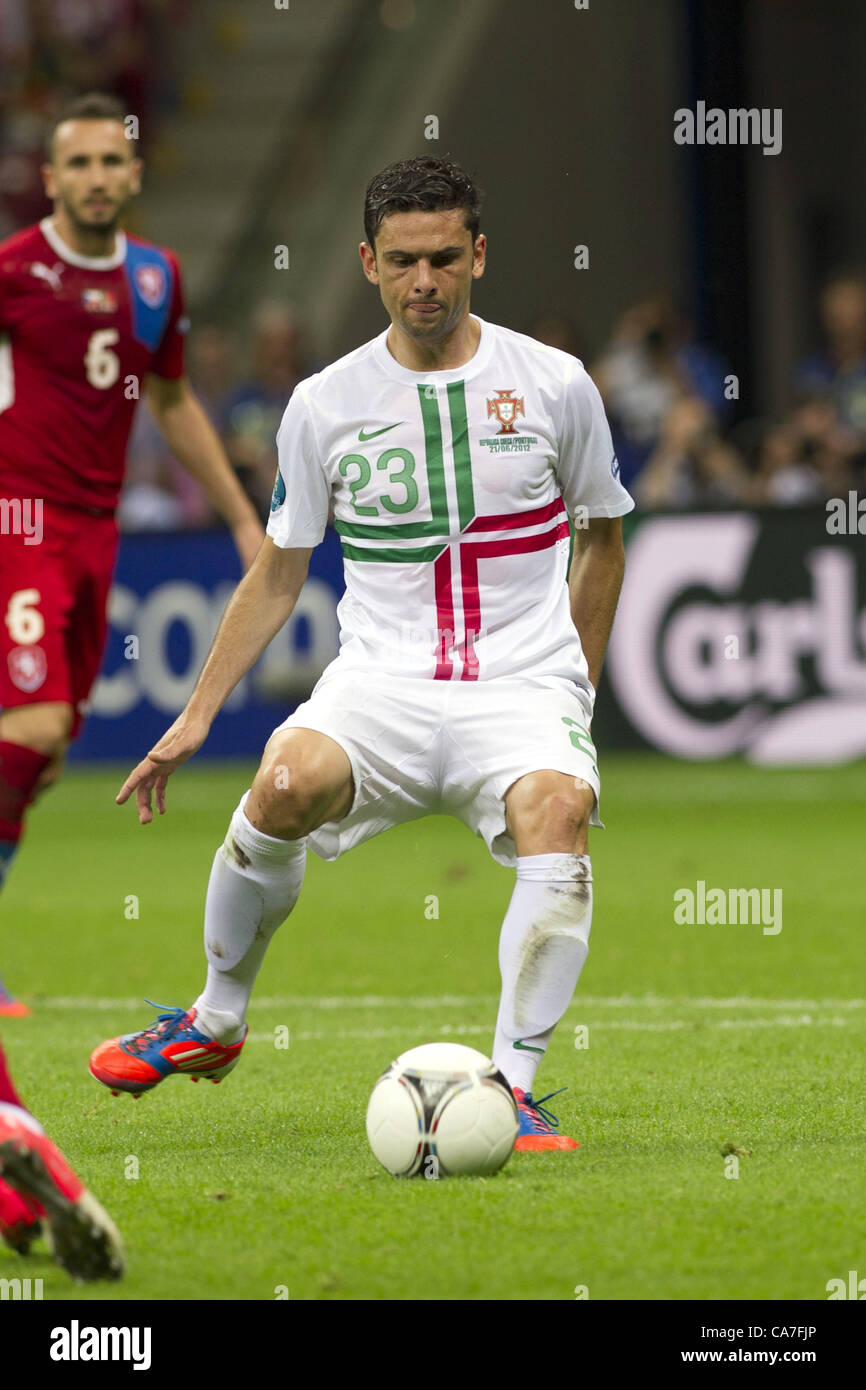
pixel 422 748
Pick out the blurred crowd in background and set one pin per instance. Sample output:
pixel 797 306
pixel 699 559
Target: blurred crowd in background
pixel 671 402
pixel 246 413
pixel 51 50
pixel 681 441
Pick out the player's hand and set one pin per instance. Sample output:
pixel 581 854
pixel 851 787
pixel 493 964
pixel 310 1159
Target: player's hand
pixel 248 537
pixel 177 744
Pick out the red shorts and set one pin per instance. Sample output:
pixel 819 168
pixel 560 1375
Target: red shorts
pixel 53 601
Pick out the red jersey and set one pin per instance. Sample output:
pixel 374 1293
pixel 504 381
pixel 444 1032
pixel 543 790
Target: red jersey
pixel 77 336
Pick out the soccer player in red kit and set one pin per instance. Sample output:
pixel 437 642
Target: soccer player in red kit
pixel 38 1187
pixel 89 317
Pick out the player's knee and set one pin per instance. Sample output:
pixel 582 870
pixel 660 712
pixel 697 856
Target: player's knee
pixel 44 728
pixel 567 809
pixel 287 796
pixel 53 741
pixel 552 810
pixel 52 773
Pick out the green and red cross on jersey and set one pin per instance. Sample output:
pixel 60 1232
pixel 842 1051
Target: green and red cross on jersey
pixel 451 493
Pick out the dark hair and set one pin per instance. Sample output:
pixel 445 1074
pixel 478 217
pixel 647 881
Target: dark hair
pixel 93 106
pixel 424 184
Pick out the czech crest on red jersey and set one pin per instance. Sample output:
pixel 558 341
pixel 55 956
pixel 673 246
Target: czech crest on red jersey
pixel 506 407
pixel 150 283
pixel 28 668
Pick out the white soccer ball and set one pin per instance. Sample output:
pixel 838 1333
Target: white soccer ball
pixel 440 1110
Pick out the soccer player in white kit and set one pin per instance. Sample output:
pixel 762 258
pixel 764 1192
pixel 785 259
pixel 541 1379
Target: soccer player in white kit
pixel 452 452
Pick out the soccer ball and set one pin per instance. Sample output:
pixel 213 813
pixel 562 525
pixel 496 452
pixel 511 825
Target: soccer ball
pixel 440 1110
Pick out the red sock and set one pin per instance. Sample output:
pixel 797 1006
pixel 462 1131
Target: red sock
pixel 20 770
pixel 7 1090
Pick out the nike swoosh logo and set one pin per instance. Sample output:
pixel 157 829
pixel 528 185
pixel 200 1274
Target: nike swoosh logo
pixel 524 1047
pixel 364 436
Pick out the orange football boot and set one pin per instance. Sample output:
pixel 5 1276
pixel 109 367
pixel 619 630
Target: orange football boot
pixel 538 1126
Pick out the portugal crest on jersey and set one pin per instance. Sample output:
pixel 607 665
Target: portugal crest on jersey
pixel 506 407
pixel 150 283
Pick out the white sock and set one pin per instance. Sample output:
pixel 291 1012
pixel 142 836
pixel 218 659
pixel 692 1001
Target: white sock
pixel 254 884
pixel 542 948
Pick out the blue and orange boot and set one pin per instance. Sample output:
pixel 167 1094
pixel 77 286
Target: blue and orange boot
pixel 173 1046
pixel 537 1131
pixel 10 1007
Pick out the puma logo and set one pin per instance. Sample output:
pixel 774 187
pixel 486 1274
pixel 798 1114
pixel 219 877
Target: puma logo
pixel 50 276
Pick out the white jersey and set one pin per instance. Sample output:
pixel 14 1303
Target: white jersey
pixel 451 492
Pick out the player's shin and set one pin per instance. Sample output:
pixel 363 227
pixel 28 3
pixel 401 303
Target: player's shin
pixel 8 1094
pixel 542 948
pixel 254 884
pixel 20 770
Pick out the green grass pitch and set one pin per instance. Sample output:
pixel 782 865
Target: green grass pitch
pixel 703 1041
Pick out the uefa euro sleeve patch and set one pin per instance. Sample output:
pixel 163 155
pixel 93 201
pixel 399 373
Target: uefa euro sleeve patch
pixel 278 496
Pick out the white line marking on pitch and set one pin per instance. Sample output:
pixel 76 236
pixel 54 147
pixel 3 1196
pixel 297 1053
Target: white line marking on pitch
pixel 635 1025
pixel 454 1001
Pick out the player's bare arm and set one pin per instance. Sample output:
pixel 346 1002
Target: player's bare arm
pixel 261 604
pixel 594 582
pixel 195 443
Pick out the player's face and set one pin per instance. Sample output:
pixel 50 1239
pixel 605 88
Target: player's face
pixel 93 174
pixel 424 264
